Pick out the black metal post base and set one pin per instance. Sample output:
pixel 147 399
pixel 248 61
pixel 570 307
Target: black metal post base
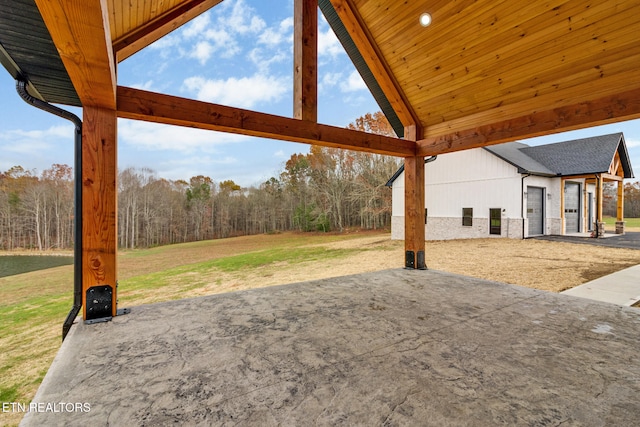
pixel 413 262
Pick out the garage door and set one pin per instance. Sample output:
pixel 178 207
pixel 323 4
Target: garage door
pixel 572 207
pixel 535 210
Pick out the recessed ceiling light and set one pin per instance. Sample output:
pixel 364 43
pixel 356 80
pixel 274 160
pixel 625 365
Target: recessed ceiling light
pixel 425 19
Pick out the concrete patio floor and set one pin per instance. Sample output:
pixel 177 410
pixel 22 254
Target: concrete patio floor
pixel 397 347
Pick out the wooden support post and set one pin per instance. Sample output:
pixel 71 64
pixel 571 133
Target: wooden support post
pixel 99 213
pixel 562 218
pixel 620 204
pixel 620 209
pixel 305 60
pixel 414 189
pixel 414 232
pixel 599 197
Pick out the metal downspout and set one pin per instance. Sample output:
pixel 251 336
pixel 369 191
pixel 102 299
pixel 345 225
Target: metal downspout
pixel 77 212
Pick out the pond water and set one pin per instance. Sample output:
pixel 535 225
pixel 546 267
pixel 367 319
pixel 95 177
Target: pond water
pixel 17 264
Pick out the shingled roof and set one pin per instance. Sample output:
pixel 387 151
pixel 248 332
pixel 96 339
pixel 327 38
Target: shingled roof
pixel 577 157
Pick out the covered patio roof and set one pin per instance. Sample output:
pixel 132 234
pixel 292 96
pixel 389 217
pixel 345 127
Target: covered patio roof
pixel 483 72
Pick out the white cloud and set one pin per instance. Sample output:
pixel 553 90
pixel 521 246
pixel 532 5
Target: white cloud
pixel 283 33
pixel 280 154
pixel 243 19
pixel 197 26
pixel 202 52
pixel 245 92
pixel 328 44
pixel 632 143
pixel 263 60
pixel 25 141
pixel 353 83
pixel 157 137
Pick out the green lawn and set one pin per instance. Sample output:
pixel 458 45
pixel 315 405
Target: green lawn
pixel 629 222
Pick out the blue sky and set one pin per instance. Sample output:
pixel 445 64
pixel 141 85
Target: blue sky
pixel 237 54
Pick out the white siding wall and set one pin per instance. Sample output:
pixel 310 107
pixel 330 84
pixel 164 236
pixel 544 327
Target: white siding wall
pixel 475 179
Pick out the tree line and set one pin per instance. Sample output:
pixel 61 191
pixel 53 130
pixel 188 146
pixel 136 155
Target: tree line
pixel 325 189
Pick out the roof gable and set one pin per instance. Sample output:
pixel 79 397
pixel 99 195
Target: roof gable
pixel 584 156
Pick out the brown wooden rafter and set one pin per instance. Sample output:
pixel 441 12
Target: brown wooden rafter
pixel 138 104
pixel 141 37
pixel 375 61
pixel 80 31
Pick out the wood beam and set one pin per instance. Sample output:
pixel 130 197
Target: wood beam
pixel 99 205
pixel 137 104
pixel 620 203
pixel 375 61
pixel 610 177
pixel 141 37
pixel 599 198
pixel 80 31
pixel 608 109
pixel 414 196
pixel 305 60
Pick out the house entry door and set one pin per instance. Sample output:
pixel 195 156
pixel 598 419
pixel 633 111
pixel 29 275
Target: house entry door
pixel 535 210
pixel 572 207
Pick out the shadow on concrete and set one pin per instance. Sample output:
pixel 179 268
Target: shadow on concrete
pixel 629 240
pixel 396 347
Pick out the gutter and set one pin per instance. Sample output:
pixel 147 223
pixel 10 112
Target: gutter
pixel 21 88
pixel 401 169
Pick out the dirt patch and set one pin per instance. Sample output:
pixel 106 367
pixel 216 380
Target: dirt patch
pixel 550 266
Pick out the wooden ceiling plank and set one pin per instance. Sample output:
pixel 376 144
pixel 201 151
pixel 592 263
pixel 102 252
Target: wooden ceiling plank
pixel 524 81
pixel 605 110
pixel 80 31
pixel 451 43
pixel 137 104
pixel 572 90
pixel 375 62
pixel 573 96
pixel 519 55
pixel 141 37
pixel 487 94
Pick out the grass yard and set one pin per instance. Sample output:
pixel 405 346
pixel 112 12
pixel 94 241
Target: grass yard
pixel 33 305
pixel 631 224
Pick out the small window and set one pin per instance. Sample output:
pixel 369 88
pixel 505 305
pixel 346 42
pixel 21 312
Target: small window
pixel 425 216
pixel 467 217
pixel 495 221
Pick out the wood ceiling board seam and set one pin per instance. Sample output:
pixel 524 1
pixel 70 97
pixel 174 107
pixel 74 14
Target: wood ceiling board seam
pixel 592 60
pixel 445 35
pixel 375 62
pixel 488 92
pixel 524 52
pixel 623 106
pixel 454 49
pixel 442 30
pixel 583 78
pixel 575 96
pixel 159 108
pixel 129 44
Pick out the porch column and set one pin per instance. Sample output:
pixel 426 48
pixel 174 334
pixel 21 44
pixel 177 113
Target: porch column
pixel 562 217
pixel 99 213
pixel 620 209
pixel 599 196
pixel 414 234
